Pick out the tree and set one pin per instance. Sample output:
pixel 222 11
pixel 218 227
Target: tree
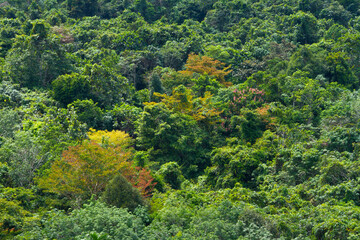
pixel 305 26
pixel 134 64
pixel 173 54
pixel 95 218
pixel 206 65
pixel 201 109
pixel 145 8
pixel 171 174
pixel 55 129
pixel 88 112
pixel 175 137
pixel 308 59
pixel 12 217
pixel 312 6
pixel 340 71
pixel 336 12
pixel 107 87
pixel 228 13
pixel 85 169
pixel 120 193
pixel 155 84
pixel 81 8
pixel 193 9
pixel 122 117
pixel 9 122
pixel 335 32
pixel 34 10
pixel 38 59
pixel 24 158
pixel 9 29
pixel 71 87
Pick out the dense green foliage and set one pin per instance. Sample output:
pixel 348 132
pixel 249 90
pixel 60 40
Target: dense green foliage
pixel 183 119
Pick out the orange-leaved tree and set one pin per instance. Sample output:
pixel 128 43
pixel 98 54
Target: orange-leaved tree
pixel 85 169
pixel 206 65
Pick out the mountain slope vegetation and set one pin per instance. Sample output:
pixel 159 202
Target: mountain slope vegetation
pixel 179 119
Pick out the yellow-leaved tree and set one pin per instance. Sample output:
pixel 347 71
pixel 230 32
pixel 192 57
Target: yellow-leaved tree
pixel 182 101
pixel 85 169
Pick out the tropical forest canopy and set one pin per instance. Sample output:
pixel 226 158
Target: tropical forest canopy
pixel 180 119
